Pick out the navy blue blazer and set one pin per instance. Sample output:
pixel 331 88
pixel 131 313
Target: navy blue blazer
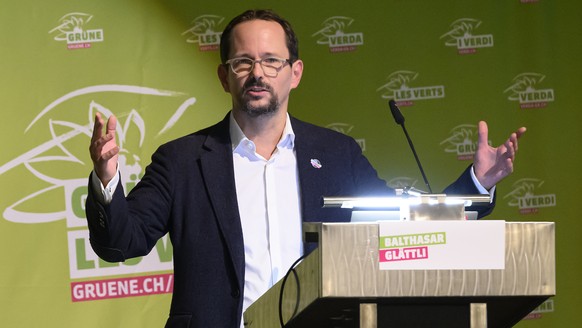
pixel 188 191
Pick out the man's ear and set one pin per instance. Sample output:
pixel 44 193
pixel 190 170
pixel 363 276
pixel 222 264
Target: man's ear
pixel 223 77
pixel 297 72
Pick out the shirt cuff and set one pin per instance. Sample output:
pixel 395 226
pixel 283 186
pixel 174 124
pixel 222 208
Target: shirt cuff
pixel 104 194
pixel 480 188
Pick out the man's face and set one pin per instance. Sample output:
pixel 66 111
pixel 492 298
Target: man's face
pixel 256 93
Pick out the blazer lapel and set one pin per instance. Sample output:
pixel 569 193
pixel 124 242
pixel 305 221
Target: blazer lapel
pixel 218 171
pixel 309 155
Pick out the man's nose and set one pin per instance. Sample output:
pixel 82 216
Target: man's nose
pixel 257 70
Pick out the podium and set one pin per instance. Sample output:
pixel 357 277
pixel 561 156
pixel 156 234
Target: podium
pixel 340 284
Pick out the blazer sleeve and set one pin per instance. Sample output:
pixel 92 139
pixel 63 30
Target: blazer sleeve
pixel 365 175
pixel 464 185
pixel 130 226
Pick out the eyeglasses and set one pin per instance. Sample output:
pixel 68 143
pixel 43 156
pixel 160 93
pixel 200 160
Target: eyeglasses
pixel 243 66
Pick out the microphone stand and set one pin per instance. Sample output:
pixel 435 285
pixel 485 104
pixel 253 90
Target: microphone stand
pixel 400 121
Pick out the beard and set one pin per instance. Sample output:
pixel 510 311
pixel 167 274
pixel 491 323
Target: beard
pixel 259 110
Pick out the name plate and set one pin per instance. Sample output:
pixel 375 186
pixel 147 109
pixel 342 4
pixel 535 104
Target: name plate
pixel 442 245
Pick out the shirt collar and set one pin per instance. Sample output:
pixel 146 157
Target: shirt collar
pixel 238 138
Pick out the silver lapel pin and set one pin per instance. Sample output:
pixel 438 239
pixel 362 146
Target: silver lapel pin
pixel 316 163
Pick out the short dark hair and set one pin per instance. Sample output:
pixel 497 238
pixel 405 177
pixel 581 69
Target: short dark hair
pixel 259 14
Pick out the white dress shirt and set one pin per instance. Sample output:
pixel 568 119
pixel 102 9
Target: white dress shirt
pixel 269 207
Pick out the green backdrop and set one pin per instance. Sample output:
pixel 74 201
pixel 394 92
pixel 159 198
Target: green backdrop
pixel 449 64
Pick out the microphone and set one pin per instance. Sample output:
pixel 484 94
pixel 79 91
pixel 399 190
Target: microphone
pixel 399 119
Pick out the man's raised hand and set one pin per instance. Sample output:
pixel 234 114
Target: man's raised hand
pixel 493 164
pixel 104 149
